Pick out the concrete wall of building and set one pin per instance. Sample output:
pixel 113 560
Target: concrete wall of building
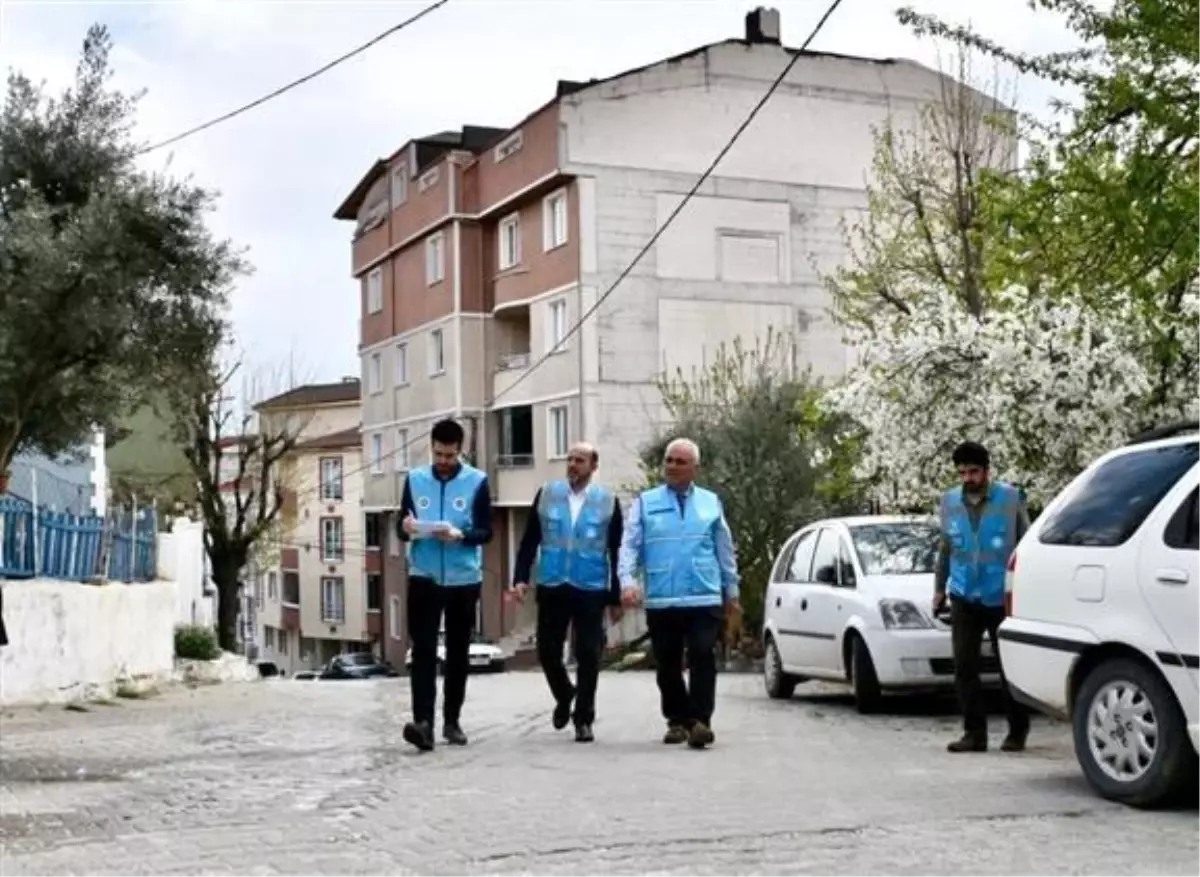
pixel 181 560
pixel 69 641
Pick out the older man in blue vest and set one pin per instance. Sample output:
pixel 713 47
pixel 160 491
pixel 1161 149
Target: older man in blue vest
pixel 982 521
pixel 678 539
pixel 574 533
pixel 446 514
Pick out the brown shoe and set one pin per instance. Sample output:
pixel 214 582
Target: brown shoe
pixel 968 743
pixel 1013 743
pixel 675 735
pixel 701 736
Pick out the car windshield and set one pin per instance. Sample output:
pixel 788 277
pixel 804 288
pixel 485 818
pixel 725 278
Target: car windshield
pixel 361 659
pixel 897 549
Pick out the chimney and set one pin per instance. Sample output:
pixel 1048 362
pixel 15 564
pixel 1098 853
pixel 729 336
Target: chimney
pixel 762 26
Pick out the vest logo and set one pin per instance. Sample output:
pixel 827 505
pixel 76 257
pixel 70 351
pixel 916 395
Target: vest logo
pixel 592 532
pixel 460 504
pixel 423 503
pixel 997 542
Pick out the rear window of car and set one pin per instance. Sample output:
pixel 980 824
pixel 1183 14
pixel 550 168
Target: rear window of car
pixel 1118 496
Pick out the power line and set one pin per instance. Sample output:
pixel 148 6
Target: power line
pixel 303 79
pixel 708 172
pixel 796 55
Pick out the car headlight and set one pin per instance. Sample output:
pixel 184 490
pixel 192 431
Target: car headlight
pixel 902 615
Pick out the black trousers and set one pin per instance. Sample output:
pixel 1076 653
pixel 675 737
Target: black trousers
pixel 566 606
pixel 696 631
pixel 428 603
pixel 969 623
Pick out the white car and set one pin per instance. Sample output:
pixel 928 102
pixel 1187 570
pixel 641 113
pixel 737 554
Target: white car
pixel 484 657
pixel 1103 624
pixel 850 601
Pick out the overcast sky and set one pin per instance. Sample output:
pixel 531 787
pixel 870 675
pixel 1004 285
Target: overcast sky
pixel 282 169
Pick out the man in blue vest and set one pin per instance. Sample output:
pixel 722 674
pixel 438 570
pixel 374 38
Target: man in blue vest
pixel 676 535
pixel 446 513
pixel 982 522
pixel 574 533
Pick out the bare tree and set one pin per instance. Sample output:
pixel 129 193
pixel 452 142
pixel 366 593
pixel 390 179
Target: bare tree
pixel 927 223
pixel 235 456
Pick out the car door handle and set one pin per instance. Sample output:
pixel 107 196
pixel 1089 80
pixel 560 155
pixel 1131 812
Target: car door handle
pixel 1172 577
pixel 778 601
pixel 804 604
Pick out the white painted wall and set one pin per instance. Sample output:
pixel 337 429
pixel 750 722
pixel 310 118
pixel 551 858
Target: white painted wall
pixel 69 641
pixel 181 560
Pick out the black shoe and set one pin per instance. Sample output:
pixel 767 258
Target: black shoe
pixel 583 733
pixel 675 735
pixel 453 734
pixel 562 713
pixel 969 743
pixel 1013 743
pixel 420 735
pixel 700 736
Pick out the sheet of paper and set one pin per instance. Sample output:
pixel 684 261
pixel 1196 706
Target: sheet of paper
pixel 431 526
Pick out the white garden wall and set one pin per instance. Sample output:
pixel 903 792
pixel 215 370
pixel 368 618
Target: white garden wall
pixel 70 641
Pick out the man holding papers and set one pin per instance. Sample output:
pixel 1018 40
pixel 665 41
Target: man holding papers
pixel 446 518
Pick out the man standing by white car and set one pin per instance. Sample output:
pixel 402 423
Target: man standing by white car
pixel 982 521
pixel 574 534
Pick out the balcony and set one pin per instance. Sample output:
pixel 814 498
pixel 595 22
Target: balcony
pixel 511 336
pixel 517 477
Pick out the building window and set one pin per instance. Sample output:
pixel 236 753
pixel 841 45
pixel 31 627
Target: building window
pixel 376 453
pixel 510 242
pixel 331 478
pixel 394 618
pixel 428 180
pixel 375 291
pixel 516 437
pixel 272 585
pixel 401 365
pixel 437 353
pixel 399 186
pixel 371 529
pixel 554 220
pixel 333 545
pixel 559 431
pixel 269 638
pixel 557 333
pixel 395 548
pixel 375 373
pixel 333 599
pixel 291 588
pixel 284 642
pixel 401 458
pixel 435 263
pixel 374 592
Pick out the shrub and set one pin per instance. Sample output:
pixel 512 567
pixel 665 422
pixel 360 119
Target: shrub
pixel 196 642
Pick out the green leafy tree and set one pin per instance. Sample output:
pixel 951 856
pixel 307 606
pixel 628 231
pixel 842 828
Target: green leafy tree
pixel 769 449
pixel 1108 203
pixel 928 224
pixel 103 268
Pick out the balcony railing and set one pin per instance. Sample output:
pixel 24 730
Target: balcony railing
pixel 508 361
pixel 514 461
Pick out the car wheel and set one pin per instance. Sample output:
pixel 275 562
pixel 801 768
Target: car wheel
pixel 779 685
pixel 1130 736
pixel 867 694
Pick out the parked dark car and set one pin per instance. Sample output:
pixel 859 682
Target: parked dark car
pixel 357 665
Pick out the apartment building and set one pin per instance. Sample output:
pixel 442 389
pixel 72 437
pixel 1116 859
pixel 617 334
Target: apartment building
pixel 318 592
pixel 478 251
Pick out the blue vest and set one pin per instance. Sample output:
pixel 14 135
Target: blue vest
pixel 679 551
pixel 574 554
pixel 979 558
pixel 453 501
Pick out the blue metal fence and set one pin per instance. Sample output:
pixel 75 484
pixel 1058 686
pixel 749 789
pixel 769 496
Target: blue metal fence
pixel 76 547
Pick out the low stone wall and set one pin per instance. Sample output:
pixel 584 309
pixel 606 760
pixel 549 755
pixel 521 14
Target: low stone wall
pixel 70 641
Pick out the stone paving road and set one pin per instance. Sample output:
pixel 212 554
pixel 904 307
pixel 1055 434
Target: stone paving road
pixel 311 778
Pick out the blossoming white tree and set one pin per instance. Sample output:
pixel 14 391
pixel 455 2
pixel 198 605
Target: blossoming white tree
pixel 1046 386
